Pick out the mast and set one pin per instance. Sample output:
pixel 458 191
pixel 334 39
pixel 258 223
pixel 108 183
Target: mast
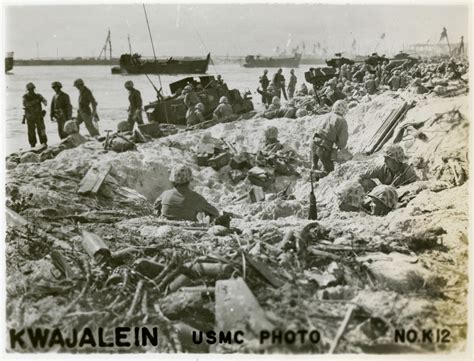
pixel 129 45
pixel 110 44
pixel 154 56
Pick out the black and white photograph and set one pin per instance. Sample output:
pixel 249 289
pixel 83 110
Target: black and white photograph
pixel 236 178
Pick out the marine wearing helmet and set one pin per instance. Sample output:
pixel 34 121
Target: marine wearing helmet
pixel 180 202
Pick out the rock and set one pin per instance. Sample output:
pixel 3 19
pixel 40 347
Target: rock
pixel 218 231
pixel 395 270
pixel 30 157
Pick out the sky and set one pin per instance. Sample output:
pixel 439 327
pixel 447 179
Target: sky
pixel 225 29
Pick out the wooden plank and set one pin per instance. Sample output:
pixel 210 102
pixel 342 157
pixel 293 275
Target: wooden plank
pixel 390 131
pixel 389 126
pixel 264 271
pixel 238 309
pixel 93 179
pixel 384 128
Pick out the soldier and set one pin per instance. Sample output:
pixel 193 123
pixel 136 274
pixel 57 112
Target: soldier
pixel 292 84
pixel 223 110
pixel 181 203
pixel 264 80
pixel 332 131
pixel 190 99
pixel 84 112
pixel 61 108
pixel 34 115
pixel 195 115
pixel 393 171
pixel 395 81
pixel 219 80
pixel 135 107
pixel 383 199
pixel 275 104
pixel 279 81
pixel 350 196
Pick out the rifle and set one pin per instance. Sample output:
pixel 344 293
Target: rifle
pixel 313 212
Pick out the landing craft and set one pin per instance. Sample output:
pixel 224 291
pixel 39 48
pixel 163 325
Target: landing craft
pixel 134 64
pixel 8 61
pixel 171 109
pixel 252 61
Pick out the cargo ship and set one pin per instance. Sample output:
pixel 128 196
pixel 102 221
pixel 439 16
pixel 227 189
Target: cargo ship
pixel 8 61
pixel 252 61
pixel 134 64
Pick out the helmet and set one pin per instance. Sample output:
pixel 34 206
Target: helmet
pixel 417 81
pixel 30 86
pixel 71 127
pixel 128 83
pixel 332 81
pixel 78 82
pixel 351 193
pixel 188 88
pixel 200 107
pixel 387 195
pixel 219 76
pixel 395 152
pixel 276 101
pixel 292 71
pixel 396 72
pixel 265 71
pixel 56 84
pixel 340 107
pixel 123 126
pixel 291 102
pixel 181 174
pixel 271 132
pixel 224 100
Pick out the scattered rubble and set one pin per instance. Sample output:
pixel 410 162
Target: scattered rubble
pixel 84 247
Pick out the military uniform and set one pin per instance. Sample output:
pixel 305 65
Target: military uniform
pixel 292 86
pixel 135 108
pixel 223 111
pixel 381 172
pixel 184 204
pixel 181 203
pixel 61 110
pixel 84 113
pixel 34 118
pixel 331 131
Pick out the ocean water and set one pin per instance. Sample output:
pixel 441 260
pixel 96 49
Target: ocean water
pixel 109 92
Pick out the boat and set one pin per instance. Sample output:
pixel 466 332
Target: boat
pixel 8 61
pixel 172 110
pixel 134 64
pixel 257 61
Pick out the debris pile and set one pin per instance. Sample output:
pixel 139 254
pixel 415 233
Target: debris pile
pixel 85 249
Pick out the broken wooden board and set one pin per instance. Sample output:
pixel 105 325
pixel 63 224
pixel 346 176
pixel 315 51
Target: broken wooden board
pixel 14 219
pixel 256 194
pixel 93 179
pixel 264 271
pixel 236 308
